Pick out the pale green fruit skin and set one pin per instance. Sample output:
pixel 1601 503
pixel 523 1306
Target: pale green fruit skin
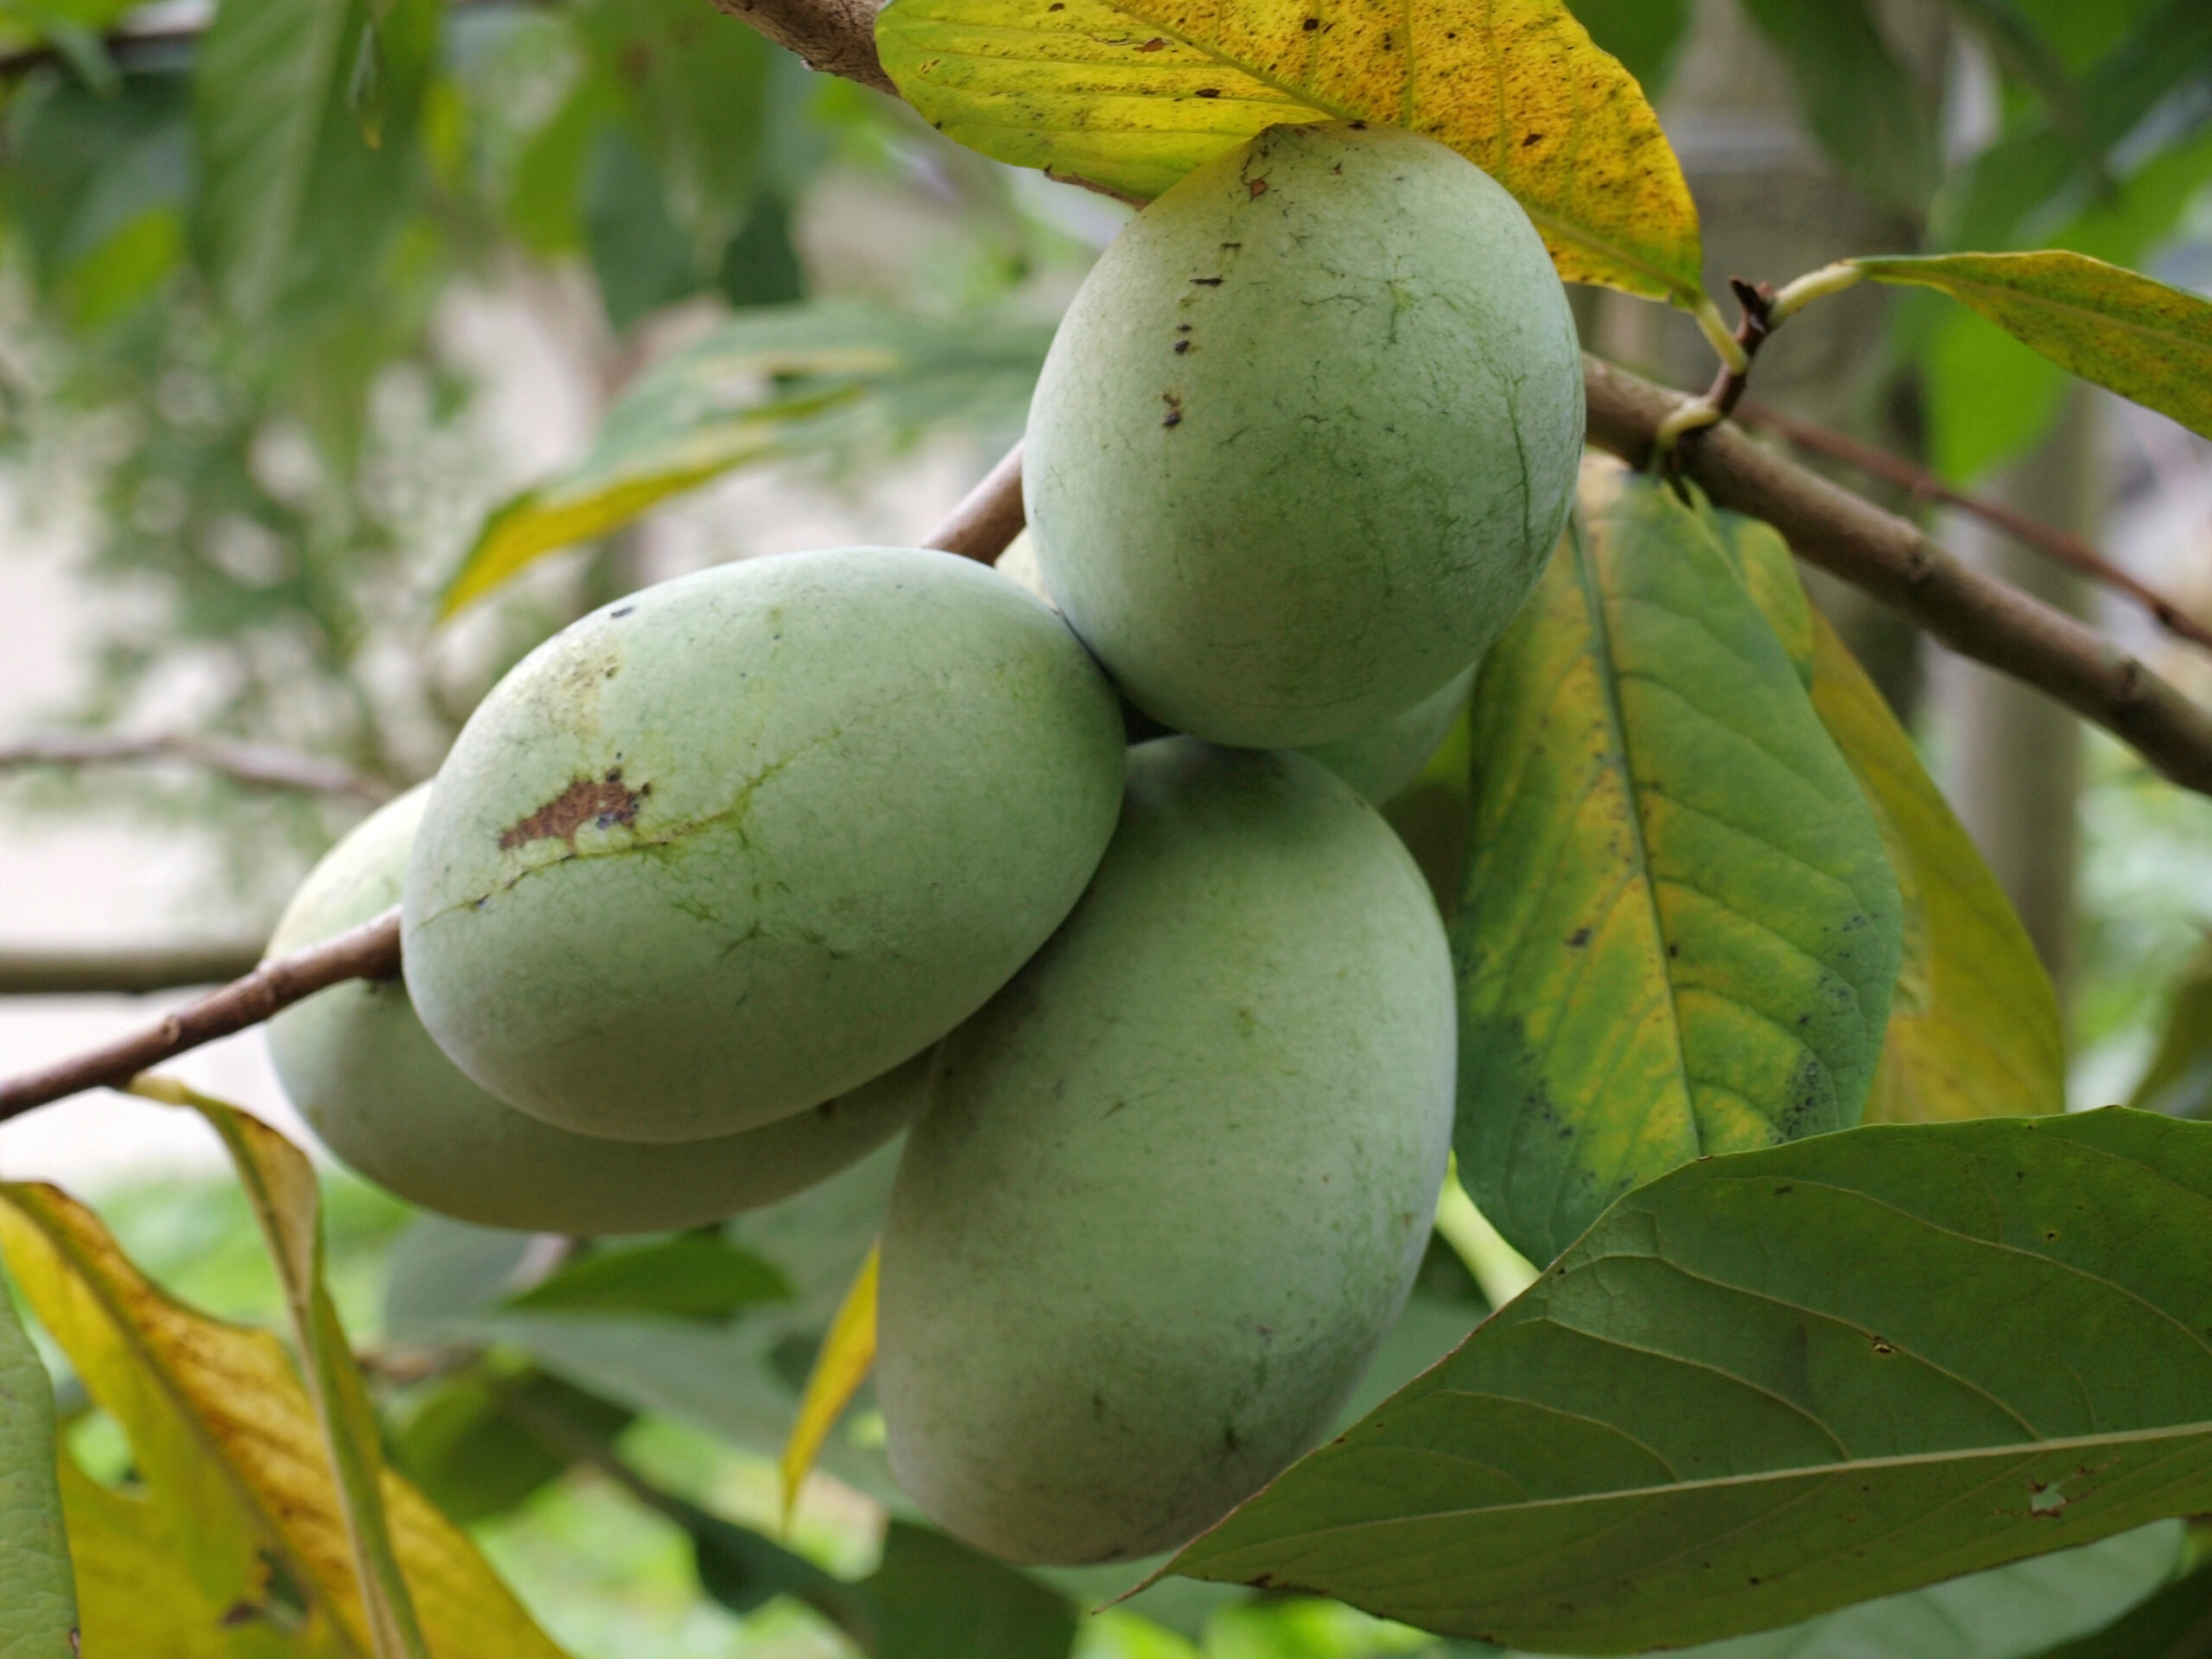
pixel 1380 763
pixel 1375 431
pixel 365 1074
pixel 1173 1182
pixel 822 805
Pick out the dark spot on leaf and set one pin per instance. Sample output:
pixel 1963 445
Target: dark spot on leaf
pixel 1359 126
pixel 1153 45
pixel 1208 91
pixel 1311 24
pixel 1581 935
pixel 1881 1347
pixel 2051 1234
pixel 1535 138
pixel 1779 1191
pixel 605 802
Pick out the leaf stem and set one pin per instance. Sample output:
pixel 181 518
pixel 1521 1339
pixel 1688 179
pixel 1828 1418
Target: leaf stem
pixel 1502 1271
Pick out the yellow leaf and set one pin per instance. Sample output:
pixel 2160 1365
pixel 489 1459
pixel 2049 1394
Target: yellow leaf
pixel 1132 94
pixel 1973 1027
pixel 2139 338
pixel 238 1492
pixel 847 1353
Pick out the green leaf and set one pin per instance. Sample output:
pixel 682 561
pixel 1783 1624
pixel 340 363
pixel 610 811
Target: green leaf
pixel 2175 1624
pixel 236 1529
pixel 2178 1080
pixel 38 1592
pixel 1132 94
pixel 1862 107
pixel 1974 1026
pixel 935 1597
pixel 641 256
pixel 473 1459
pixel 2138 338
pixel 280 1185
pixel 691 1276
pixel 1641 34
pixel 1680 931
pixel 777 384
pixel 1772 1384
pixel 2013 1612
pixel 2026 54
pixel 294 204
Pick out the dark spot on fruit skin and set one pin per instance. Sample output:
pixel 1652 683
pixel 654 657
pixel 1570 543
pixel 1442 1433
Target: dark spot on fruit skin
pixel 1181 346
pixel 1205 282
pixel 1182 327
pixel 1359 126
pixel 605 802
pixel 1174 409
pixel 625 611
pixel 1257 188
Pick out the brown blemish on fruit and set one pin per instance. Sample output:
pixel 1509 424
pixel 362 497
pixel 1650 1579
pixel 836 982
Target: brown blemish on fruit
pixel 602 801
pixel 1257 187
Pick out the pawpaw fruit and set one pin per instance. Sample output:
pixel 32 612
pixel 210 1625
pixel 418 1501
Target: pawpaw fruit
pixel 742 842
pixel 1381 762
pixel 1307 436
pixel 1174 1180
pixel 368 1079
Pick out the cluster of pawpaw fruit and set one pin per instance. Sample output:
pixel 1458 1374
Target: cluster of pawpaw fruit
pixel 734 879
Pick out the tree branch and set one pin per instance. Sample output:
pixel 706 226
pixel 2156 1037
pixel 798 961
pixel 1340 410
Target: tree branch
pixel 249 764
pixel 125 973
pixel 988 517
pixel 2069 550
pixel 835 36
pixel 369 951
pixel 1894 560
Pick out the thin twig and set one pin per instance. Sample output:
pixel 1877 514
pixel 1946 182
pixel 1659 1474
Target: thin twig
pixel 1923 485
pixel 121 972
pixel 249 764
pixel 1892 558
pixel 988 517
pixel 369 951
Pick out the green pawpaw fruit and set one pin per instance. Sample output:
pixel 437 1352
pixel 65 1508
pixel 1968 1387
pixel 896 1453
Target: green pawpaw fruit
pixel 1307 436
pixel 1380 763
pixel 744 841
pixel 1174 1180
pixel 368 1079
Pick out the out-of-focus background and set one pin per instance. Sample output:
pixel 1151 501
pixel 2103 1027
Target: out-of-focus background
pixel 260 389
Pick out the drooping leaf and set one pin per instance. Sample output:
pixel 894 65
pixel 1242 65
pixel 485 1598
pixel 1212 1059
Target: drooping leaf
pixel 691 1276
pixel 38 1591
pixel 281 1187
pixel 847 1355
pixel 2026 53
pixel 238 1497
pixel 1774 1384
pixel 780 382
pixel 2134 336
pixel 1871 121
pixel 934 1596
pixel 1132 94
pixel 1680 930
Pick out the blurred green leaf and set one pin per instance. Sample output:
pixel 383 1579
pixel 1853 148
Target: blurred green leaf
pixel 470 1456
pixel 2175 1624
pixel 1774 1384
pixel 294 206
pixel 38 1592
pixel 2125 332
pixel 933 1596
pixel 760 266
pixel 1679 930
pixel 2014 1611
pixel 691 1276
pixel 770 385
pixel 1641 34
pixel 641 256
pixel 2026 53
pixel 442 1270
pixel 1871 120
pixel 2178 1080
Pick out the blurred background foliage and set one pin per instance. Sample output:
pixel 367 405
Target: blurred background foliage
pixel 301 300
